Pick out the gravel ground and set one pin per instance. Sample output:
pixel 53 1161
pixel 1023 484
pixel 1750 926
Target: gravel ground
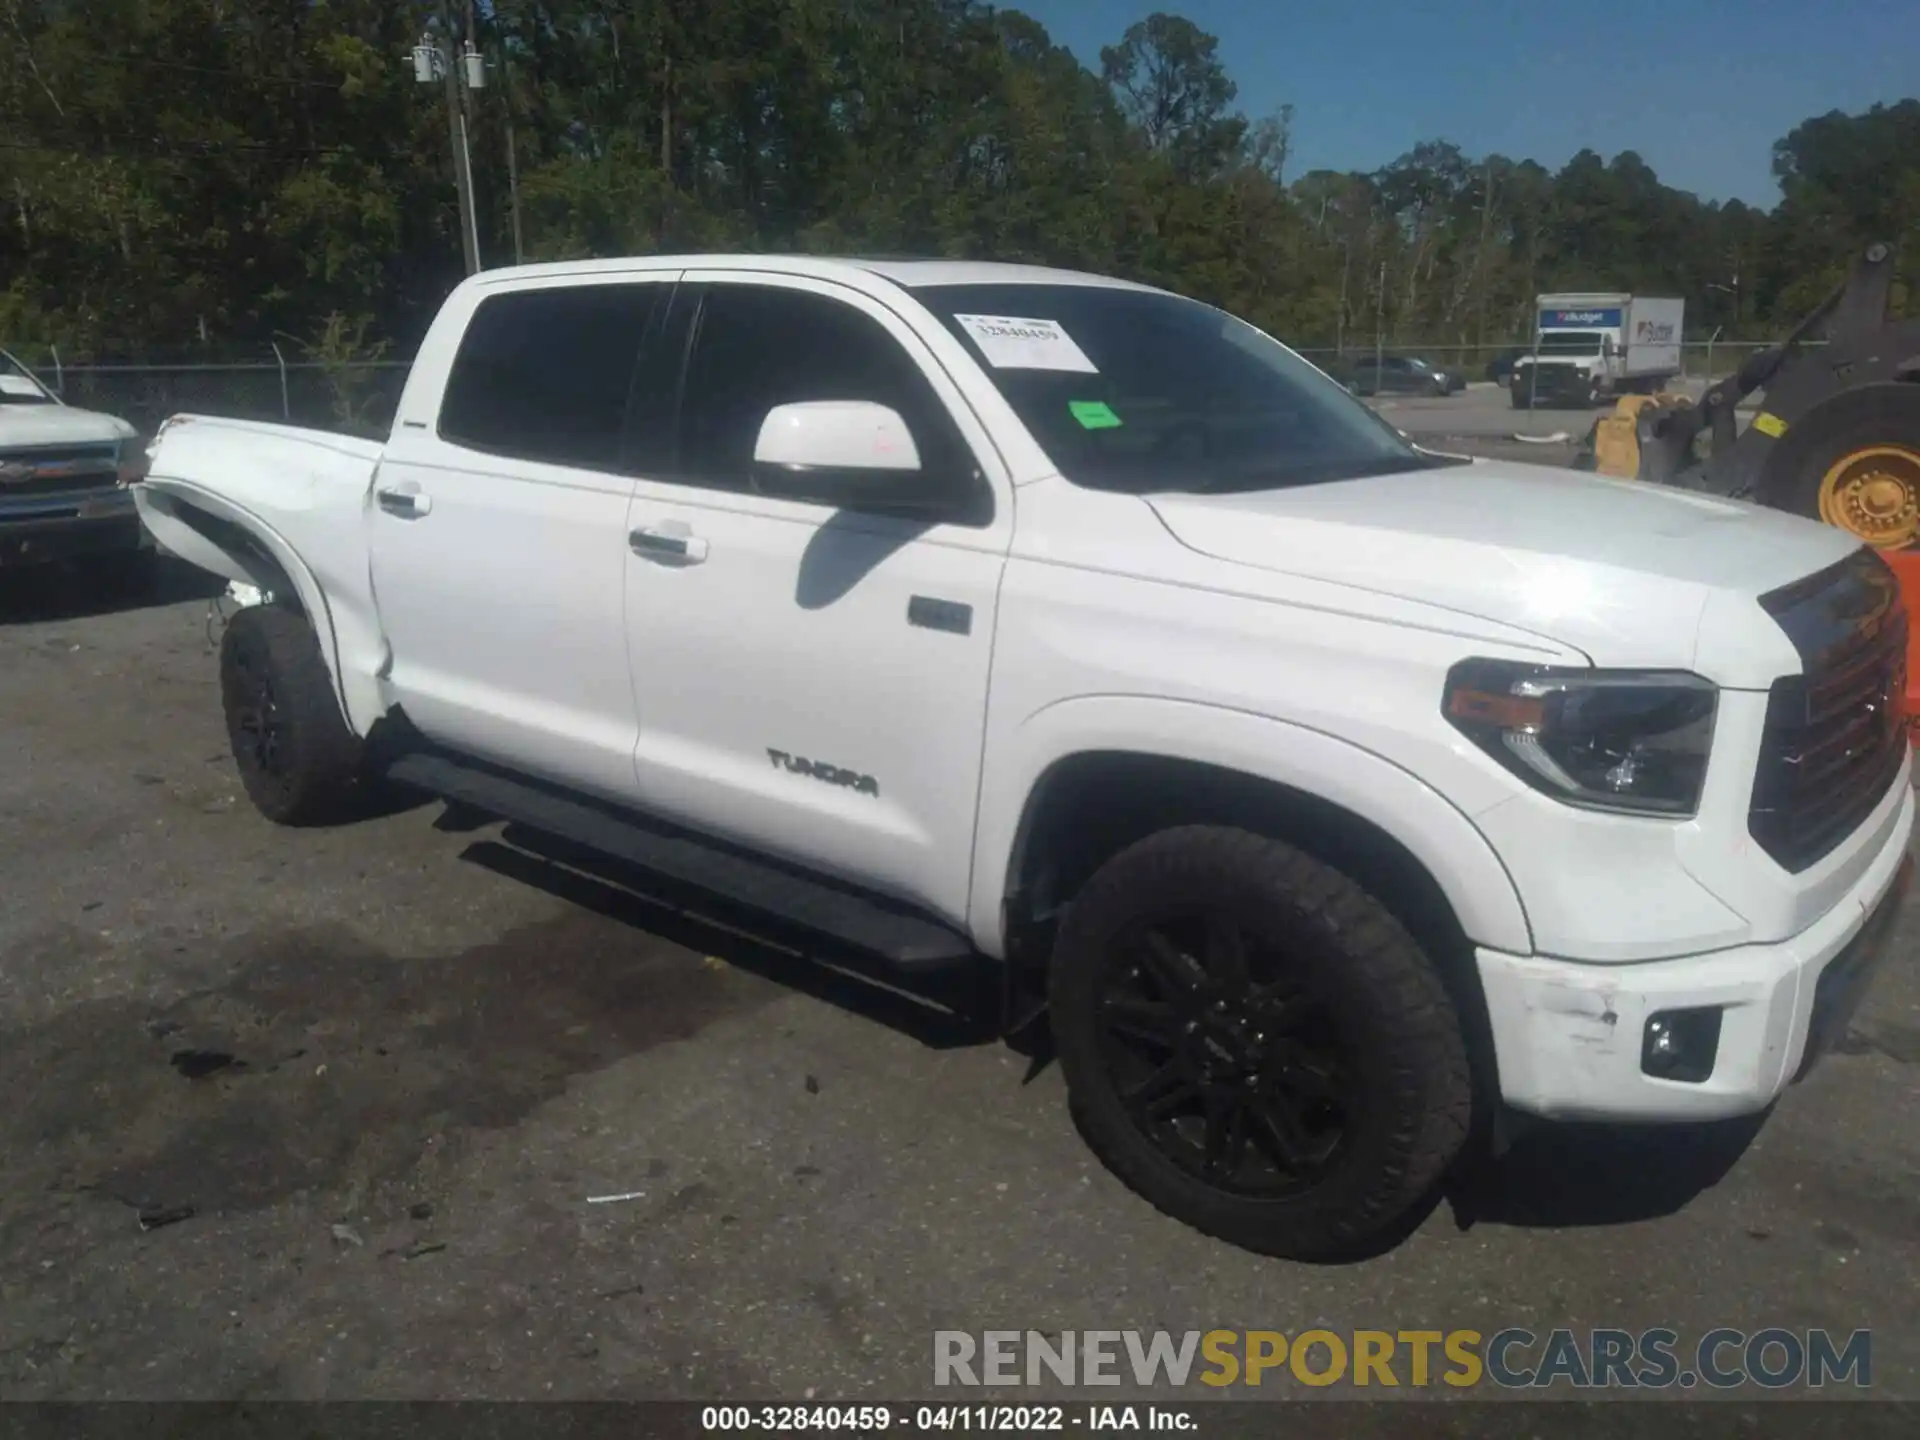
pixel 443 1050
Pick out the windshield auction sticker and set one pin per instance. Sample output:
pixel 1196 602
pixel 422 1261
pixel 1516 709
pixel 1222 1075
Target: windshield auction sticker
pixel 1011 342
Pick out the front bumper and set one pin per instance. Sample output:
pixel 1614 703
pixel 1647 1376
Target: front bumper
pixel 1556 382
pixel 63 528
pixel 1567 1035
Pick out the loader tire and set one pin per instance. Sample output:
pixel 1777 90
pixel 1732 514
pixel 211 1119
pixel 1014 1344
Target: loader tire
pixel 1853 461
pixel 298 761
pixel 1256 1046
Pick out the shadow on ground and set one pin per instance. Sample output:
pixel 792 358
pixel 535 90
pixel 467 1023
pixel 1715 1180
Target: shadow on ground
pixel 76 590
pixel 1564 1176
pixel 943 1017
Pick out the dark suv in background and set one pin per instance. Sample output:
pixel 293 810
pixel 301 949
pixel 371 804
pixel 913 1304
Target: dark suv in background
pixel 1399 375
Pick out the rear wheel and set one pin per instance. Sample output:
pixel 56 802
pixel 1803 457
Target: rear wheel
pixel 1255 1045
pixel 298 761
pixel 1854 462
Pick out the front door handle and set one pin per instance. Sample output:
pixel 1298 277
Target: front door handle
pixel 658 545
pixel 404 502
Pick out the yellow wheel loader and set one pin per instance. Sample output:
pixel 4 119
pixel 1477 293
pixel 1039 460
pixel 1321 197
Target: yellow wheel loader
pixel 1837 439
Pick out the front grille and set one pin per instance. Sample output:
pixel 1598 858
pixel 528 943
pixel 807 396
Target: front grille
pixel 1559 378
pixel 1836 733
pixel 55 471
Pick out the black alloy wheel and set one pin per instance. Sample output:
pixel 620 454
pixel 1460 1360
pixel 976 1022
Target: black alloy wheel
pixel 1234 1073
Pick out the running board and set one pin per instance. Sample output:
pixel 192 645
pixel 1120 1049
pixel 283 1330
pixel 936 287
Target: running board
pixel 911 942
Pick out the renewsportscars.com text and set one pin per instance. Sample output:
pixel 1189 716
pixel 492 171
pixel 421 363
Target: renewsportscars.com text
pixel 1722 1359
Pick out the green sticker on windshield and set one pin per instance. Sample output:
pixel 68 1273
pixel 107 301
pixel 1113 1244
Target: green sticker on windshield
pixel 1093 414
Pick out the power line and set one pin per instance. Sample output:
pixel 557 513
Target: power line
pixel 230 74
pixel 190 148
pixel 292 80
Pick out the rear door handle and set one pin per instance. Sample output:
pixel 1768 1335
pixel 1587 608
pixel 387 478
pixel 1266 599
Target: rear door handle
pixel 404 502
pixel 658 545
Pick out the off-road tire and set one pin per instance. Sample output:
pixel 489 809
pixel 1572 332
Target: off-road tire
pixel 311 774
pixel 1882 414
pixel 1411 1089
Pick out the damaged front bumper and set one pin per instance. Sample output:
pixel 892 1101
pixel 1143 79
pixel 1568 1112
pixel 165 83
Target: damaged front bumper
pixel 1571 1039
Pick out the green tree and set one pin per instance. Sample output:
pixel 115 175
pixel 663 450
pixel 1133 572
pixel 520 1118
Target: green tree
pixel 1170 82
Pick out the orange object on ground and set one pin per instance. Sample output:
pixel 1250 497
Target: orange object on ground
pixel 1906 567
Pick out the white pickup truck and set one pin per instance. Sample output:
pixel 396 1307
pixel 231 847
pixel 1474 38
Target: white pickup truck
pixel 64 474
pixel 968 619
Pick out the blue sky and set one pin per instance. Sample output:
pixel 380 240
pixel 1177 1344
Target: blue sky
pixel 1701 88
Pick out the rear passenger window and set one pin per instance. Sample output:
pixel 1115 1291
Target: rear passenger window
pixel 545 374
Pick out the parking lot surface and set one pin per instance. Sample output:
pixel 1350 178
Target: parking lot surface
pixel 442 1052
pixel 1481 420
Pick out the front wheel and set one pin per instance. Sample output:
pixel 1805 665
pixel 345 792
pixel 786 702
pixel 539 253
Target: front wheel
pixel 1254 1044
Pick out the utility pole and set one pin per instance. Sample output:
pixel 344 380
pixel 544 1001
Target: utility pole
pixel 508 98
pixel 460 70
pixel 1380 325
pixel 1340 316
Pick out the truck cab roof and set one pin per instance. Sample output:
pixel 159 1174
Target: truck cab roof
pixel 907 272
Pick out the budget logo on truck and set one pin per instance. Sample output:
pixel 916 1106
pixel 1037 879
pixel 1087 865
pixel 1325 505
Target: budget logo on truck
pixel 1653 332
pixel 1579 317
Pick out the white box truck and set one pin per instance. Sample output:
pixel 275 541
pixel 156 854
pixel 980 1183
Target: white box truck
pixel 1589 346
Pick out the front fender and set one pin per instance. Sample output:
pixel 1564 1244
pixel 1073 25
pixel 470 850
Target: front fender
pixel 350 641
pixel 1435 832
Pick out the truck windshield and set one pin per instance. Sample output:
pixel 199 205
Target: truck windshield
pixel 1570 342
pixel 1141 391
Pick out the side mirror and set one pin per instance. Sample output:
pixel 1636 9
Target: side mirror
pixel 853 455
pixel 836 435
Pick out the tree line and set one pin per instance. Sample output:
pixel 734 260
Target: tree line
pixel 202 173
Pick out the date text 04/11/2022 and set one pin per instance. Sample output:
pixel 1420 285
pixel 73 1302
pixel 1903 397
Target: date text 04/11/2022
pixel 1016 1419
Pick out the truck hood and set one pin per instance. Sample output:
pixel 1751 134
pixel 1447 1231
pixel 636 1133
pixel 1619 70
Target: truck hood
pixel 33 427
pixel 1630 574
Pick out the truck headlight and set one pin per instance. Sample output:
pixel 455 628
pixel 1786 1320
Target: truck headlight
pixel 1629 741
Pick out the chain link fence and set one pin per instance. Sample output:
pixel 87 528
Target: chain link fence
pixel 358 397
pixel 1701 360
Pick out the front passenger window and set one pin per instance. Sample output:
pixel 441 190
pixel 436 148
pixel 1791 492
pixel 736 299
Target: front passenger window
pixel 760 346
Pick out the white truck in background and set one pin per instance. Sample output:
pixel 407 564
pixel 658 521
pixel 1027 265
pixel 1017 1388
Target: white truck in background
pixel 1589 346
pixel 64 477
pixel 978 623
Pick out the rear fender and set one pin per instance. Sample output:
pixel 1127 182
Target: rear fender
pixel 216 534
